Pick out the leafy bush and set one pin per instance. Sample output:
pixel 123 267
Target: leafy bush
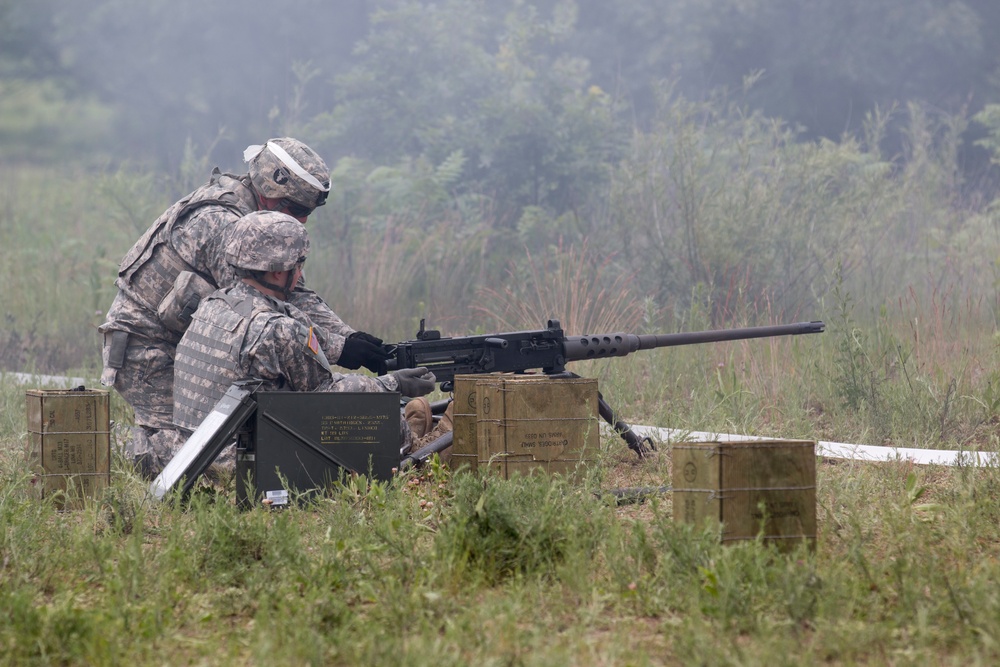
pixel 526 526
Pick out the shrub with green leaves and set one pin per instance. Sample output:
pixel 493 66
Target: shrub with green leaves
pixel 526 526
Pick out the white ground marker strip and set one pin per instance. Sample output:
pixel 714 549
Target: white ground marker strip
pixel 60 380
pixel 838 450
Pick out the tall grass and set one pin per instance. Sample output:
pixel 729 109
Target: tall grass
pixel 435 569
pixel 580 286
pixel 395 270
pixel 897 249
pixel 62 235
pixel 715 192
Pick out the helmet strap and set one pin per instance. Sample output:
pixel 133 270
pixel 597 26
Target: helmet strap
pixel 289 284
pixel 285 290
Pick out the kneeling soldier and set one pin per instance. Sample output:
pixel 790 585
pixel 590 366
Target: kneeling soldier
pixel 250 331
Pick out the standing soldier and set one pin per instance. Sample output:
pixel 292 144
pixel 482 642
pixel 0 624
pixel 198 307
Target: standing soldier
pixel 180 259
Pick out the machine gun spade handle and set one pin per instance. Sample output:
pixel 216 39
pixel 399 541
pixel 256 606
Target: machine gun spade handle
pixel 640 446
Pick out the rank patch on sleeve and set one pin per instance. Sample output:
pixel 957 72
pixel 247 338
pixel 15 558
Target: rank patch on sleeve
pixel 313 342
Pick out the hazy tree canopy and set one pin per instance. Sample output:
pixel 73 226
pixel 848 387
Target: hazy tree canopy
pixel 26 46
pixel 184 69
pixel 533 93
pixel 430 81
pixel 824 63
pixel 722 155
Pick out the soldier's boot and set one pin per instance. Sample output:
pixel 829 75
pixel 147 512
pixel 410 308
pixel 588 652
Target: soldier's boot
pixel 418 415
pixel 444 425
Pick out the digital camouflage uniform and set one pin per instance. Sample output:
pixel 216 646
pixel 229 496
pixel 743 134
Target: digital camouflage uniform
pixel 239 333
pixel 139 347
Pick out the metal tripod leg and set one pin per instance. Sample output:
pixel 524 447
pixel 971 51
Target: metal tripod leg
pixel 640 446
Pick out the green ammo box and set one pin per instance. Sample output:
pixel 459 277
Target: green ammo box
pixel 759 487
pixel 69 443
pixel 464 451
pixel 525 423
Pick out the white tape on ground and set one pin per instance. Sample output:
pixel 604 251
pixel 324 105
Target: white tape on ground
pixel 838 450
pixel 60 380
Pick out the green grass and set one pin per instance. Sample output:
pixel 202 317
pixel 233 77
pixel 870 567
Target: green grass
pixel 439 570
pixel 442 569
pixel 525 571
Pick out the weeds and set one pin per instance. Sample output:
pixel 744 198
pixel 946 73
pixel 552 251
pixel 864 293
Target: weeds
pixel 527 527
pixel 903 563
pixel 714 226
pixel 582 288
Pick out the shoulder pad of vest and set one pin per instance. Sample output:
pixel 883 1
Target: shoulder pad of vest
pixel 239 303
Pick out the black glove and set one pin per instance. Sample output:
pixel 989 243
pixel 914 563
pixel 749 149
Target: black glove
pixel 414 382
pixel 366 336
pixel 359 350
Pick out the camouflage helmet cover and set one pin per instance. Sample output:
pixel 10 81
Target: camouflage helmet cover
pixel 267 241
pixel 285 168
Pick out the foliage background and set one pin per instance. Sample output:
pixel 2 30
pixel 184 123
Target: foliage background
pixel 638 164
pixel 641 165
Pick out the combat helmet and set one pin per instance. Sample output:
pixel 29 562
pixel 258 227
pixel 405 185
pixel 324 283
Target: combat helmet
pixel 265 241
pixel 285 168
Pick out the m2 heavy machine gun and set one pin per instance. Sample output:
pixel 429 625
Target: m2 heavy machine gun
pixel 304 439
pixel 549 350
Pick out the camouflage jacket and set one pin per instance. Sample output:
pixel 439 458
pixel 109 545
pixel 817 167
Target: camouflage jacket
pixel 190 236
pixel 239 333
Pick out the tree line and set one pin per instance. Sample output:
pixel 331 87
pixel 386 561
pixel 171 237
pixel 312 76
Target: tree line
pixel 717 154
pixel 536 96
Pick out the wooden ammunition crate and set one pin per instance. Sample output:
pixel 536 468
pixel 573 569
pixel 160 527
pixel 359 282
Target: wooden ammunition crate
pixel 765 487
pixel 525 423
pixel 464 451
pixel 69 443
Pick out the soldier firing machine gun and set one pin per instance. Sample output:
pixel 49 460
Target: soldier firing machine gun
pixel 549 350
pixel 546 349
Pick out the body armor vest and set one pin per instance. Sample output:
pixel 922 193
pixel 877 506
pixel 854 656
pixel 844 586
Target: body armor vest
pixel 208 357
pixel 148 270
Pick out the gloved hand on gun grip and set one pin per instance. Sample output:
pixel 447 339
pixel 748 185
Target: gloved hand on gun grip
pixel 415 382
pixel 364 349
pixel 367 337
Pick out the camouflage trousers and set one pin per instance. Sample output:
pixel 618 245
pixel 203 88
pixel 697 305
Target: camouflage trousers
pixel 146 382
